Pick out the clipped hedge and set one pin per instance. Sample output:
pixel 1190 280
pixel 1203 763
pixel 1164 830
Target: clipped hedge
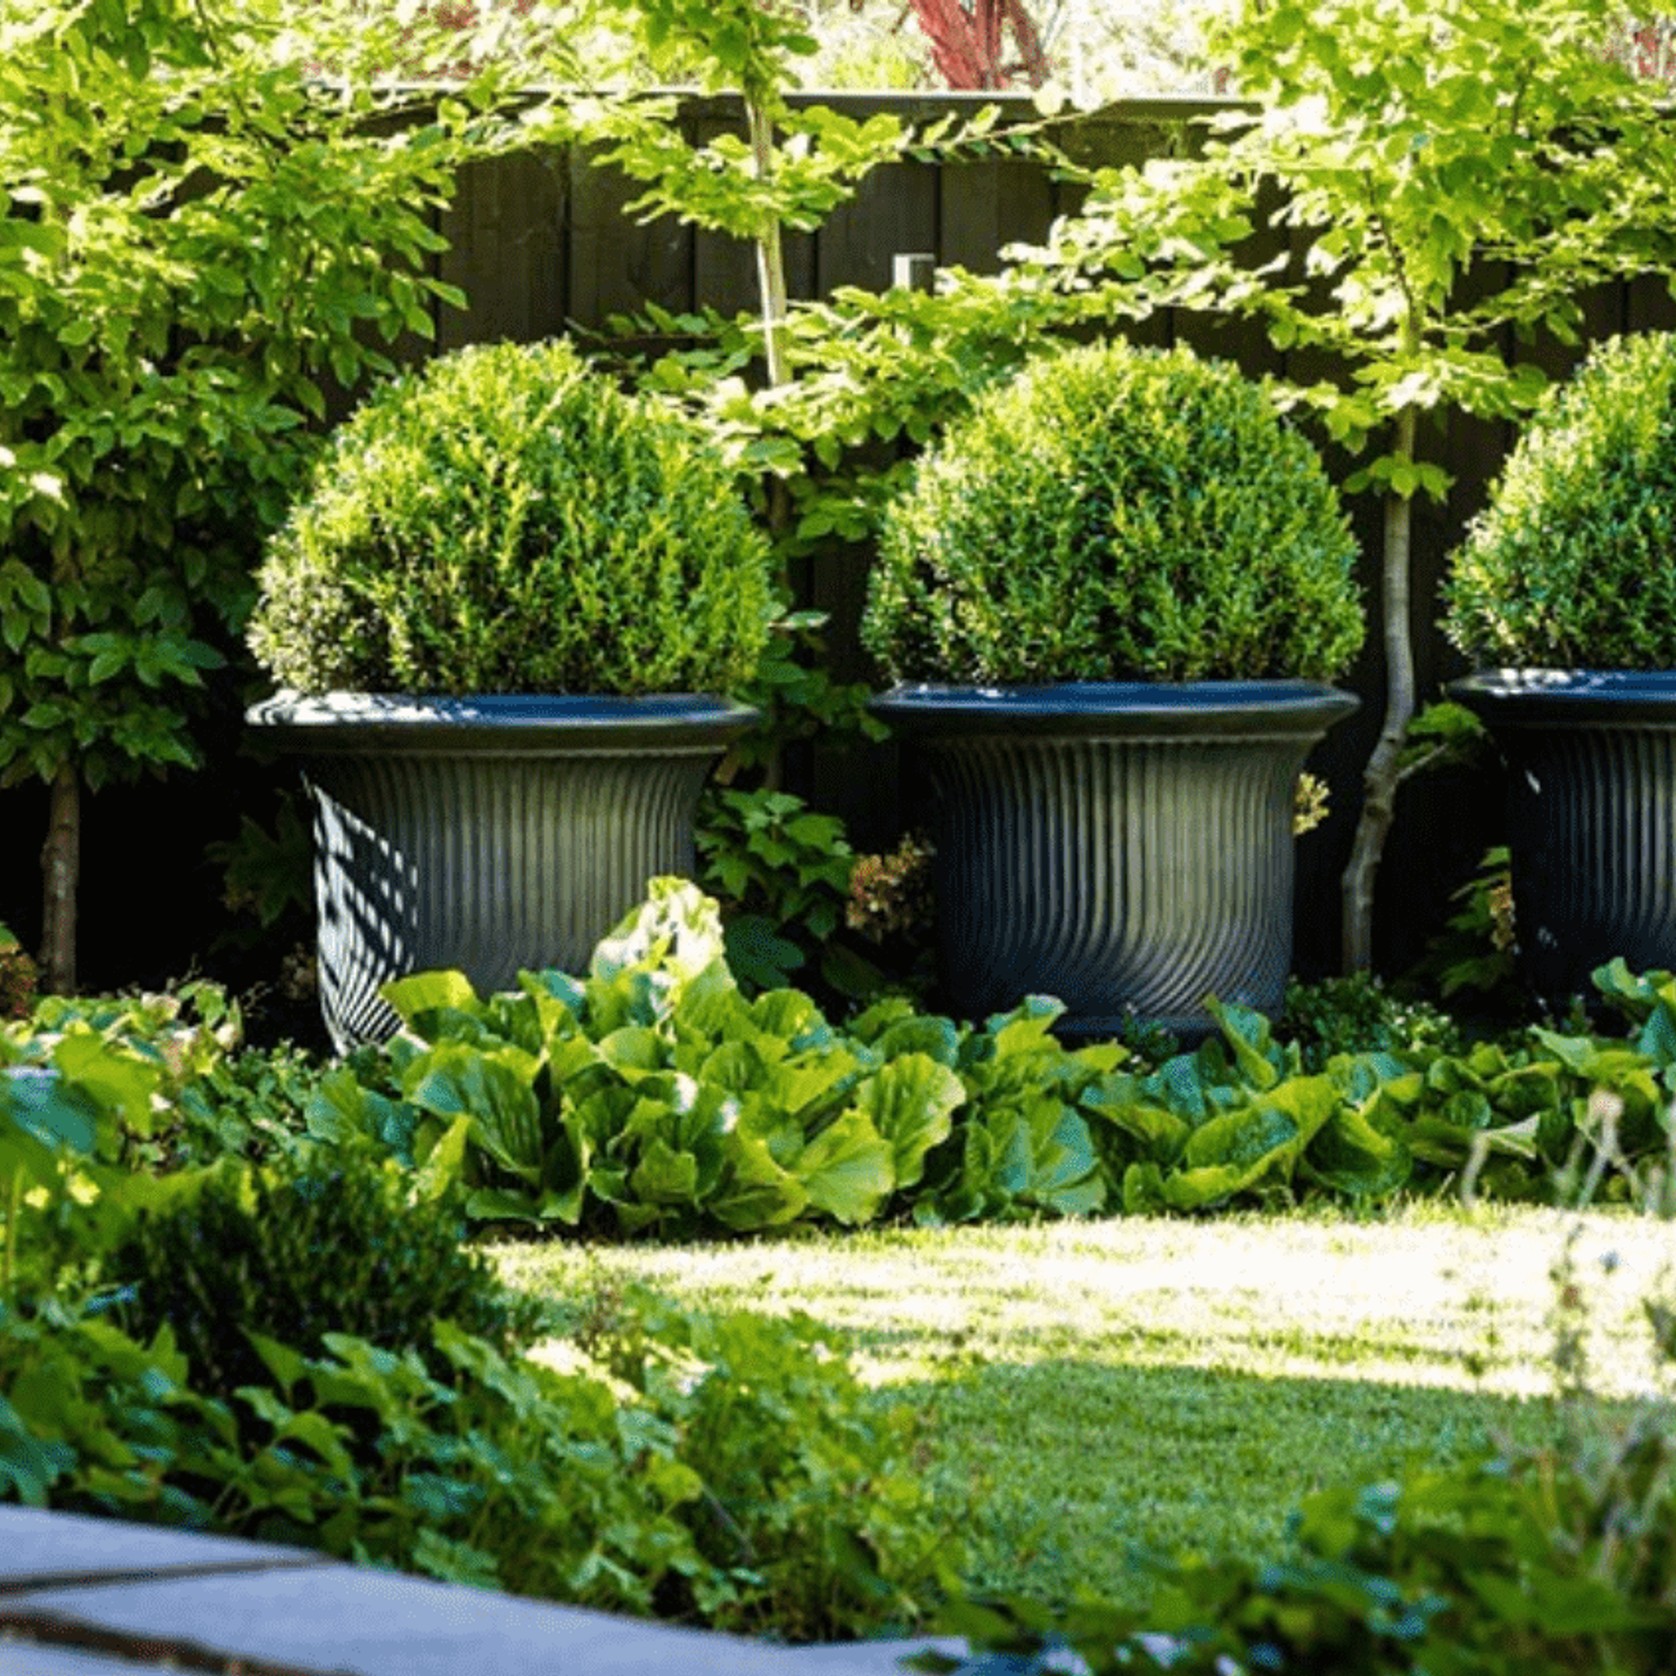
pixel 507 521
pixel 1117 514
pixel 297 1252
pixel 1570 565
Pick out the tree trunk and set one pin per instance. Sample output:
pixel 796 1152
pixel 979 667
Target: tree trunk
pixel 60 869
pixel 771 286
pixel 1381 777
pixel 771 263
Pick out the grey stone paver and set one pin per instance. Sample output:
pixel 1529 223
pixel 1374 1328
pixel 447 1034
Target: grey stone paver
pixel 20 1658
pixel 336 1619
pixel 38 1548
pixel 290 1611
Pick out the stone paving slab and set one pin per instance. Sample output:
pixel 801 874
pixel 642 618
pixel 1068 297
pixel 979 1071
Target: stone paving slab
pixel 97 1597
pixel 19 1658
pixel 350 1621
pixel 40 1549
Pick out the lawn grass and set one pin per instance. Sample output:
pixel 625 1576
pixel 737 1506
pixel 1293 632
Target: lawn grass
pixel 1096 1388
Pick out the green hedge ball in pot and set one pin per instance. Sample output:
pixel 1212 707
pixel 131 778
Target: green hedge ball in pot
pixel 506 617
pixel 1112 601
pixel 1564 595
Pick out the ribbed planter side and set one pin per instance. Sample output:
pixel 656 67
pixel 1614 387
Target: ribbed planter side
pixel 1133 853
pixel 1591 816
pixel 501 844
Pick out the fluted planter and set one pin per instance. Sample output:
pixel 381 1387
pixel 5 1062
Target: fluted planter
pixel 1126 847
pixel 487 834
pixel 1591 816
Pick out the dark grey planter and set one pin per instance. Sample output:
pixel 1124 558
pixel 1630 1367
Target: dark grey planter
pixel 1591 816
pixel 1126 847
pixel 487 834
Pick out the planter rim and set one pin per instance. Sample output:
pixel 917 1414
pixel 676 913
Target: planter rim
pixel 1159 708
pixel 1562 697
pixel 510 723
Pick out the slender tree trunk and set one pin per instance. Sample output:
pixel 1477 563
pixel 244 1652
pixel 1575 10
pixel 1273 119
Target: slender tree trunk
pixel 1380 779
pixel 771 262
pixel 771 286
pixel 60 868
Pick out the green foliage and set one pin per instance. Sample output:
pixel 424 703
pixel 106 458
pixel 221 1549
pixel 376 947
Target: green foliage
pixel 1117 514
pixel 1406 148
pixel 205 1098
pixel 268 873
pixel 732 1472
pixel 504 1472
pixel 654 1098
pixel 1475 951
pixel 1443 735
pixel 196 231
pixel 297 1252
pixel 782 872
pixel 1568 565
pixel 652 1094
pixel 507 521
pixel 812 1486
pixel 1359 1014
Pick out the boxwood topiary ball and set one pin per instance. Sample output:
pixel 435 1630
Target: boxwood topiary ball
pixel 1572 564
pixel 507 521
pixel 1117 514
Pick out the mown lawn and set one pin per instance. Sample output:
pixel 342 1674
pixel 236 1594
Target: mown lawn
pixel 1097 1388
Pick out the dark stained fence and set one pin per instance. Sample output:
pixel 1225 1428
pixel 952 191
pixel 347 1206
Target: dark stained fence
pixel 541 242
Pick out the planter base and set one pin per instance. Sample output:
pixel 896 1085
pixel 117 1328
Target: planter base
pixel 1591 757
pixel 487 835
pixel 1125 848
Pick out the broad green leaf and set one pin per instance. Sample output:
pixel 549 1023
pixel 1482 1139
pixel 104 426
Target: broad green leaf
pixel 846 1170
pixel 910 1104
pixel 664 1176
pixel 419 1000
pixel 493 1087
pixel 758 1193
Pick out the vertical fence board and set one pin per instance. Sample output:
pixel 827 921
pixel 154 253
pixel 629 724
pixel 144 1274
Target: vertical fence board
pixel 616 263
pixel 506 234
pixel 894 210
pixel 984 207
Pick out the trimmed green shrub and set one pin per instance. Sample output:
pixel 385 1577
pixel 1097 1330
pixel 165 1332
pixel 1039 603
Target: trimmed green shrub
pixel 1117 514
pixel 1573 562
pixel 507 521
pixel 299 1252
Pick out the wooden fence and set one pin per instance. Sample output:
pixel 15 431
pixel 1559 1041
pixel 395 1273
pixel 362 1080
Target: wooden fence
pixel 541 241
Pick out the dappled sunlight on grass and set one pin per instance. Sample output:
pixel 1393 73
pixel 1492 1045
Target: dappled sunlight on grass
pixel 1427 1298
pixel 1090 1388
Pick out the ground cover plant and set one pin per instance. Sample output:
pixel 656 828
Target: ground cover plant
pixel 653 1098
pixel 720 1470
